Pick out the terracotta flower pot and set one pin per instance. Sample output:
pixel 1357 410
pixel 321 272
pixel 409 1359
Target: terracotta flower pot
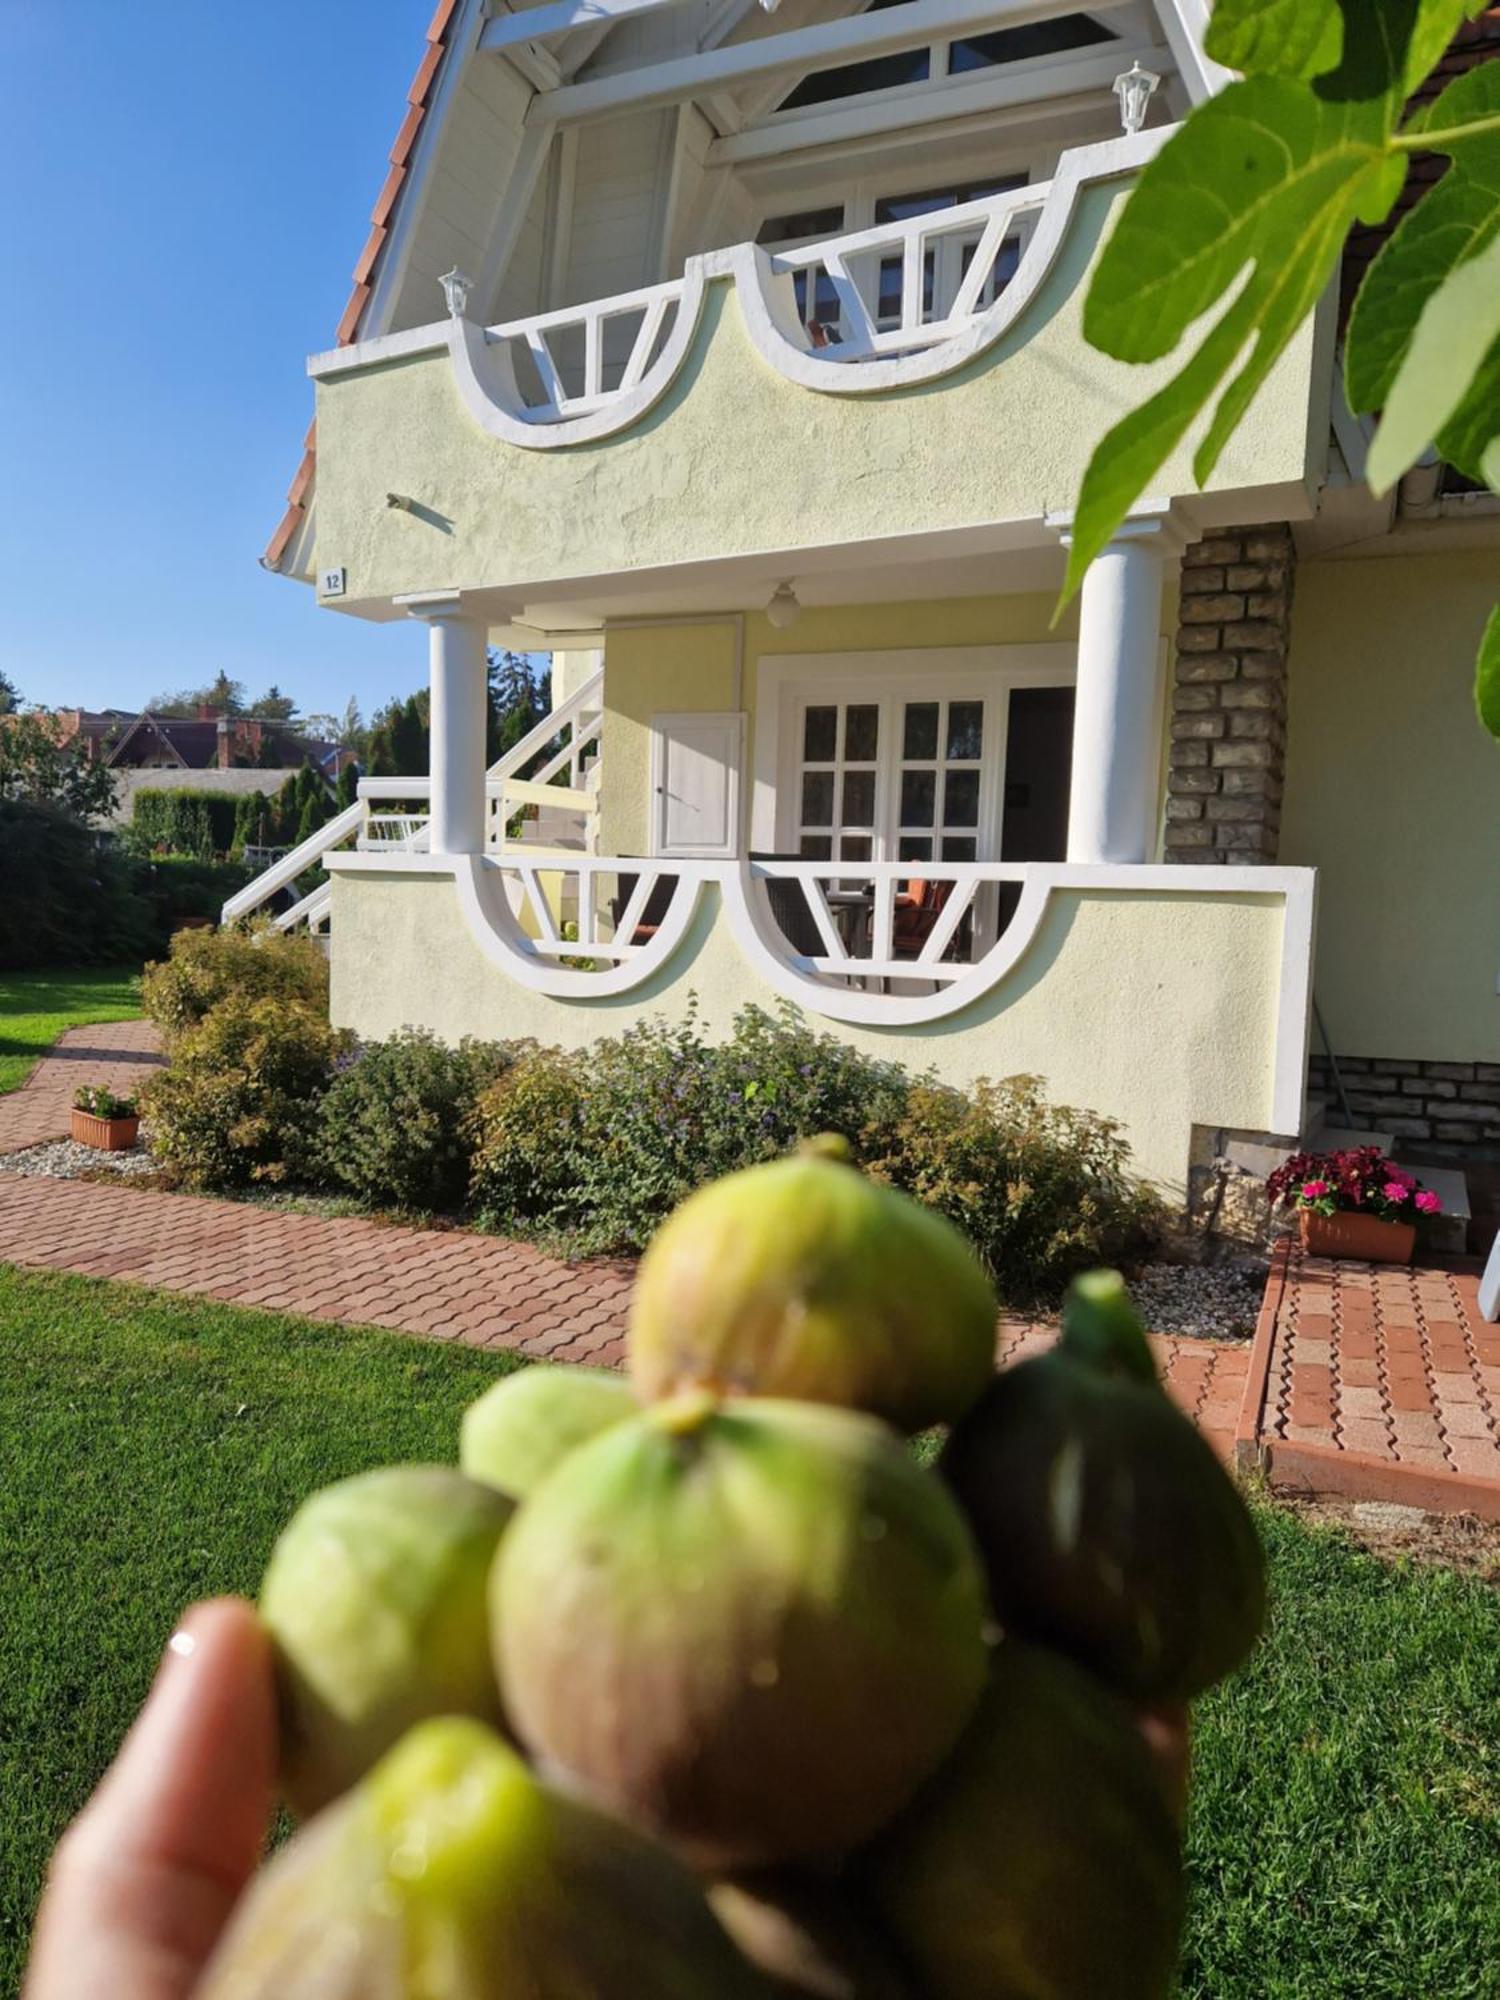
pixel 106 1135
pixel 1362 1237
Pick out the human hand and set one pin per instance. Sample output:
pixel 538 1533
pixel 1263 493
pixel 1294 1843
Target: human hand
pixel 143 1881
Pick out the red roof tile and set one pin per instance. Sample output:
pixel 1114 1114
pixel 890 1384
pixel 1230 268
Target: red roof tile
pixel 418 98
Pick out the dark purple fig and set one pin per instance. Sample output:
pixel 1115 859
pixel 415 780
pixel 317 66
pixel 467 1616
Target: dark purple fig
pixel 451 1874
pixel 1108 1527
pixel 1043 1859
pixel 803 1279
pixel 809 1937
pixel 752 1628
pixel 375 1599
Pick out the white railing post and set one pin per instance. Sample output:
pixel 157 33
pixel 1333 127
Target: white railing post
pixel 1117 721
pixel 456 655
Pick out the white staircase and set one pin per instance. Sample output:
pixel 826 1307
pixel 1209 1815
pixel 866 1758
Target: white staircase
pixel 521 784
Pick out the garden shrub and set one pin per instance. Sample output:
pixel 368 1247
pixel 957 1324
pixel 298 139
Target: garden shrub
pixel 528 1149
pixel 1042 1191
pixel 600 1146
pixel 238 1103
pixel 205 967
pixel 396 1123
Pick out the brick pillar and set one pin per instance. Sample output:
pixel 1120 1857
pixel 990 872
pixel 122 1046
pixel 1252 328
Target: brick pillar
pixel 1229 697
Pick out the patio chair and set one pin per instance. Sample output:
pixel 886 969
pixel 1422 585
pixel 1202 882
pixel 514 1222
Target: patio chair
pixel 918 908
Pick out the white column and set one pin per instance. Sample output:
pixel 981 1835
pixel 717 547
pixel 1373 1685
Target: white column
pixel 456 643
pixel 1117 722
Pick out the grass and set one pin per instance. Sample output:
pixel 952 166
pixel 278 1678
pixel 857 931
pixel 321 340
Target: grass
pixel 35 1008
pixel 1345 1835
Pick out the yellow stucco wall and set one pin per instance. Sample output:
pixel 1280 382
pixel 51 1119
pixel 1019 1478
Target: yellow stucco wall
pixel 1393 792
pixel 735 459
pixel 1158 1009
pixel 681 668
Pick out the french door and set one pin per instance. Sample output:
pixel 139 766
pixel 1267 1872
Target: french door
pixel 897 778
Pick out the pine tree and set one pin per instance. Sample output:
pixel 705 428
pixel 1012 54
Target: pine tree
pixel 409 739
pixel 346 791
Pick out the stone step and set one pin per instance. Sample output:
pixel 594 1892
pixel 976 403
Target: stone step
pixel 1343 1138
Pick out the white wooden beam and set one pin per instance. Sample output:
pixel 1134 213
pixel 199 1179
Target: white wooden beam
pixel 1184 23
pixel 539 24
pixel 827 43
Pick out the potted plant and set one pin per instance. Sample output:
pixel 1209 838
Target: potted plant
pixel 102 1120
pixel 1357 1203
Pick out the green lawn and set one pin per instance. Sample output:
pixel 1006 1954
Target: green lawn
pixel 1346 1827
pixel 35 1007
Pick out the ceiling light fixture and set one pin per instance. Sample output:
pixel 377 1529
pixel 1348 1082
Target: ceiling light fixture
pixel 785 607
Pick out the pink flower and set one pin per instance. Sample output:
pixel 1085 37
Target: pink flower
pixel 1314 1190
pixel 1429 1203
pixel 1395 1191
pixel 1401 1175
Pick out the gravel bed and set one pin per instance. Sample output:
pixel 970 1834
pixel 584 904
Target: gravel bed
pixel 66 1160
pixel 1212 1301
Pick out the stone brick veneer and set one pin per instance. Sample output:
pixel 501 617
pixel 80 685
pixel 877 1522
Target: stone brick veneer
pixel 1452 1106
pixel 1224 783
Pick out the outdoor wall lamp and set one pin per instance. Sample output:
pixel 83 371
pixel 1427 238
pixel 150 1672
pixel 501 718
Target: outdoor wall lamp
pixel 1135 90
pixel 456 289
pixel 785 607
pixel 402 500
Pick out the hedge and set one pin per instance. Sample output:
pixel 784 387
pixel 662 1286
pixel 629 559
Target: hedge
pixel 185 821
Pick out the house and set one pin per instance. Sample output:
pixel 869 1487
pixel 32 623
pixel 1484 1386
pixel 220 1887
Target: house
pixel 210 751
pixel 733 351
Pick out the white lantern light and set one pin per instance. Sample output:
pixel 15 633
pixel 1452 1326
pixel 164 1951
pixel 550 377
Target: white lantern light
pixel 1135 90
pixel 456 289
pixel 770 6
pixel 785 607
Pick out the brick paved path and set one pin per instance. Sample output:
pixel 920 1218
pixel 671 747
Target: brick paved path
pixel 1380 1382
pixel 118 1054
pixel 449 1285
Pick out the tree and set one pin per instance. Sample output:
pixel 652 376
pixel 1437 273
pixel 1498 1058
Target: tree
pixel 10 695
pixel 222 693
pixel 1252 202
pixel 519 694
pixel 346 791
pixel 36 766
pixel 275 705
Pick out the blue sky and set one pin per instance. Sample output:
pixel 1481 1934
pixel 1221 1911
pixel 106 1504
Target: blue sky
pixel 189 184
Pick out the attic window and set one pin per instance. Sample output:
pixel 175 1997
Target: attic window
pixel 1040 38
pixel 940 59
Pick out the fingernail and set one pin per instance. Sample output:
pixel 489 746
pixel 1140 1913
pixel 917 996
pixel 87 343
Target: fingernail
pixel 182 1643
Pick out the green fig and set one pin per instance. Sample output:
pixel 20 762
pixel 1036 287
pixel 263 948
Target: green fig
pixel 526 1423
pixel 803 1279
pixel 808 1937
pixel 1043 1860
pixel 451 1874
pixel 752 1628
pixel 375 1599
pixel 1109 1528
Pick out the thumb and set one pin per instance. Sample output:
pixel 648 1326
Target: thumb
pixel 144 1880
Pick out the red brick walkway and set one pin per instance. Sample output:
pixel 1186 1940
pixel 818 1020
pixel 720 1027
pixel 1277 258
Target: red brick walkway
pixel 118 1054
pixel 1379 1382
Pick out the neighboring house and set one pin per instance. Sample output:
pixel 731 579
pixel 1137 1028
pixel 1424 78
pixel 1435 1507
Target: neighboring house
pixel 737 356
pixel 212 751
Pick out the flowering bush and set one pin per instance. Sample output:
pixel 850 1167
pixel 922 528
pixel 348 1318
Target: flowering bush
pixel 1360 1180
pixel 395 1122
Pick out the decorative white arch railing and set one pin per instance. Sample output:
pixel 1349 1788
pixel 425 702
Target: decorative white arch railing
pixel 586 372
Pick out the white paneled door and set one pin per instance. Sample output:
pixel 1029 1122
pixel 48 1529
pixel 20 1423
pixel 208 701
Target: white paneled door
pixel 695 784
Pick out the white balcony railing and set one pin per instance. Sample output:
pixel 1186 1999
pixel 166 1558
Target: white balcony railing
pixel 906 286
pixel 916 299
